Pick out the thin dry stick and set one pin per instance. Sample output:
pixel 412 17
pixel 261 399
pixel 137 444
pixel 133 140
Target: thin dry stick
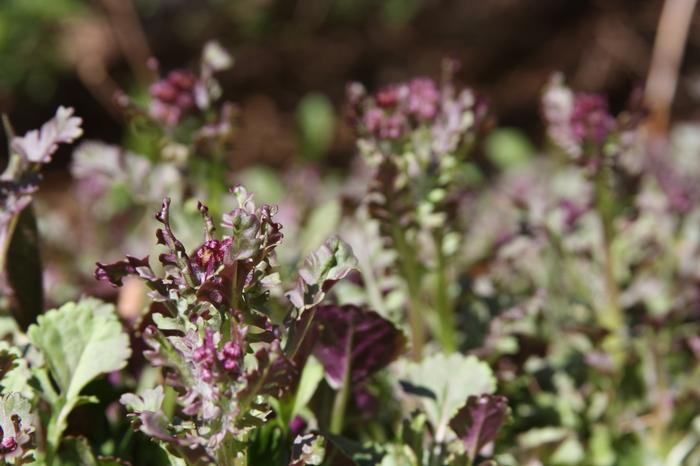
pixel 669 45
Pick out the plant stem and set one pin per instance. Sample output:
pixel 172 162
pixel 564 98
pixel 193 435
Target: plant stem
pixel 446 317
pixel 612 319
pixel 409 269
pixel 341 397
pixel 610 316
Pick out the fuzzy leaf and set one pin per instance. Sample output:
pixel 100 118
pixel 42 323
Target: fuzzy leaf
pixel 452 379
pixel 370 341
pixel 72 337
pixel 478 421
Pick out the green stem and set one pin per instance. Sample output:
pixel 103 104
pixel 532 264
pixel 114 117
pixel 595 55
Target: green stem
pixel 446 317
pixel 610 316
pixel 234 287
pixel 341 397
pixel 54 431
pixel 409 269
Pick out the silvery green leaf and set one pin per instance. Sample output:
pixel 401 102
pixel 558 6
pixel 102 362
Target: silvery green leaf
pixel 72 336
pixel 79 341
pixel 452 379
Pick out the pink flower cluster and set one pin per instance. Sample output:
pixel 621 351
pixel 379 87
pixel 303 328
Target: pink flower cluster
pixel 207 357
pixel 390 112
pixel 590 119
pixel 173 97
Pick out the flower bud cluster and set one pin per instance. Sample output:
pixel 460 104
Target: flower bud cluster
pixel 173 97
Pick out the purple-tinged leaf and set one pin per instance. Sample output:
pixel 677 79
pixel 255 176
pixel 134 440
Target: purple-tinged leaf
pixel 38 146
pixel 321 270
pixel 478 421
pixel 177 255
pixel 147 416
pixel 274 375
pixel 364 340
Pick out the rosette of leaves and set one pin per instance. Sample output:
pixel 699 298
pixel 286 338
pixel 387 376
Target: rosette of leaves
pixel 216 336
pixel 20 261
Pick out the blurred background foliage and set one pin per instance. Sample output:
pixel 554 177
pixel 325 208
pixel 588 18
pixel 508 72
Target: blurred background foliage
pixel 293 59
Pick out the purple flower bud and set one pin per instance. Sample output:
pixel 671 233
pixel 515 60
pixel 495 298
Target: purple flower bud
pixel 182 79
pixel 164 91
pixel 230 365
pixel 8 445
pixel 173 97
pixel 392 127
pixel 200 354
pixel 373 120
pixel 590 119
pixel 387 97
pixel 185 101
pixel 232 350
pixel 210 255
pixel 230 356
pixel 423 98
pixel 207 375
pixel 298 426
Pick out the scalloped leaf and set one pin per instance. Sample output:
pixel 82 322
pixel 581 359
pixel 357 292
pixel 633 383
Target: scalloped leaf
pixel 80 341
pixel 451 379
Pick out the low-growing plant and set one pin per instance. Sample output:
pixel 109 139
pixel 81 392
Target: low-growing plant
pixel 455 307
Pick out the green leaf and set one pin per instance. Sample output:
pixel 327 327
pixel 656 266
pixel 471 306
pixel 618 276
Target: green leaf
pixel 310 378
pixel 399 455
pixel 452 379
pixel 23 269
pixel 79 342
pixel 322 222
